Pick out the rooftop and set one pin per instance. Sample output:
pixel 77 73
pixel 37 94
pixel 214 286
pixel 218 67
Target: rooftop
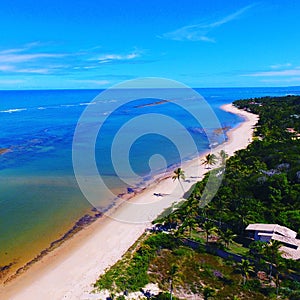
pixel 281 234
pixel 290 253
pixel 282 230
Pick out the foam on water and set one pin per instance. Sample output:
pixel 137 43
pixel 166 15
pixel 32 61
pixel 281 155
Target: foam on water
pixel 13 110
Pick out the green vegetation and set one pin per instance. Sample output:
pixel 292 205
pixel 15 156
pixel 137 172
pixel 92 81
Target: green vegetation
pixel 223 156
pixel 261 184
pixel 179 175
pixel 131 273
pixel 177 268
pixel 210 160
pixel 245 268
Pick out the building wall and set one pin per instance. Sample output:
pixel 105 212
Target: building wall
pixel 264 238
pixel 261 237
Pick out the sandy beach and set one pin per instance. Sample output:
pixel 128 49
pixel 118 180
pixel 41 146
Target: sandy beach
pixel 69 271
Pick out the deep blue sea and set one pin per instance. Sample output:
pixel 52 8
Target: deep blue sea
pixel 39 196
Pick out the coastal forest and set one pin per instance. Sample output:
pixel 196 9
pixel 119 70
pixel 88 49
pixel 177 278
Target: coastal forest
pixel 203 251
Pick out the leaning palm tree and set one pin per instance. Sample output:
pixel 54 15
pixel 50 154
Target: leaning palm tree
pixel 245 268
pixel 178 175
pixel 209 160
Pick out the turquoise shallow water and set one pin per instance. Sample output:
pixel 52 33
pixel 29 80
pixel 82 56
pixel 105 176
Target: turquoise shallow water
pixel 39 196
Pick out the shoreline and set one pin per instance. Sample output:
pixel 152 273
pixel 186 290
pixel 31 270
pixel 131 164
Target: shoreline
pixel 79 225
pixel 69 270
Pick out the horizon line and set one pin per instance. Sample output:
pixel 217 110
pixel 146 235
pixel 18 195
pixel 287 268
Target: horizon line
pixel 97 89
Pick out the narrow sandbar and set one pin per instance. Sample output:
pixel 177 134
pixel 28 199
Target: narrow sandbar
pixel 4 150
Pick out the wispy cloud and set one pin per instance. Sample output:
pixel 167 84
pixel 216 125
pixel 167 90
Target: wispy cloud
pixel 107 58
pixel 280 73
pixel 91 81
pixel 6 68
pixel 281 66
pixel 11 81
pixel 22 57
pixel 33 59
pixel 28 59
pixel 26 53
pixel 34 71
pixel 12 50
pixel 199 32
pixel 289 80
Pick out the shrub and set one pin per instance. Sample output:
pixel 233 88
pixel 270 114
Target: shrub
pixel 164 296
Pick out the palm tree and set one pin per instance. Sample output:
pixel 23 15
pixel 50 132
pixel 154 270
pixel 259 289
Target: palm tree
pixel 209 160
pixel 221 204
pixel 208 227
pixel 280 268
pixel 227 237
pixel 189 223
pixel 245 268
pixel 272 252
pixel 173 273
pixel 256 251
pixel 243 218
pixel 179 232
pixel 223 156
pixel 171 220
pixel 178 175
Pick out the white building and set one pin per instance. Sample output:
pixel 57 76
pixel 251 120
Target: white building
pixel 266 232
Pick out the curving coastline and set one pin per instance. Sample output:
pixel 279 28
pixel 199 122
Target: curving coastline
pixel 69 270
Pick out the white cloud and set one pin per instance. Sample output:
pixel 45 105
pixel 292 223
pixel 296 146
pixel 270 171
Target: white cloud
pixel 117 57
pixel 13 50
pixel 23 60
pixel 199 32
pixel 29 59
pixel 34 71
pixel 290 80
pixel 23 54
pixel 11 81
pixel 5 68
pixel 91 81
pixel 280 66
pixel 291 72
pixel 18 58
pixel 188 33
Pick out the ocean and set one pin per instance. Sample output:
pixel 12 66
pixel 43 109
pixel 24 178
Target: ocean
pixel 40 199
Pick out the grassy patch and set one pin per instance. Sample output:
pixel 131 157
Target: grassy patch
pixel 153 258
pixel 238 249
pixel 131 272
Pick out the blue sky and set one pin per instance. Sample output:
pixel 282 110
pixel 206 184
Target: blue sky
pixel 94 44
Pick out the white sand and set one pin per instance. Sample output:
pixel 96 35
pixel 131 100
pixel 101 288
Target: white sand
pixel 69 271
